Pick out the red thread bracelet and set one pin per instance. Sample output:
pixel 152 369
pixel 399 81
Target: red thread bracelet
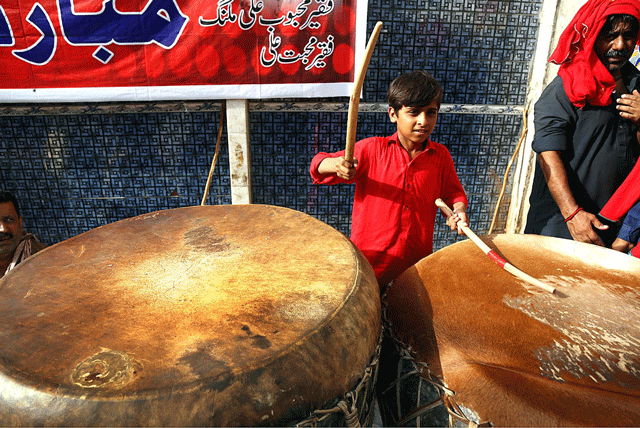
pixel 573 214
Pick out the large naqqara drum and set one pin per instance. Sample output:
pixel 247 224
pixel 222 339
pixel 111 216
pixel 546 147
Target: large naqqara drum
pixel 213 315
pixel 506 353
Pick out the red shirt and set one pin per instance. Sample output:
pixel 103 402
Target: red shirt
pixel 394 209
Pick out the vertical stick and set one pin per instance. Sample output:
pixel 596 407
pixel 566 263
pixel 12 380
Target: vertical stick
pixel 215 156
pixel 523 134
pixel 354 102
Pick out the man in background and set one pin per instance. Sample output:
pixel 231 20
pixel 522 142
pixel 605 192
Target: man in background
pixel 586 124
pixel 15 244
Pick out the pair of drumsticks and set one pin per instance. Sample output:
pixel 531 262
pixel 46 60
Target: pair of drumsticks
pixel 352 120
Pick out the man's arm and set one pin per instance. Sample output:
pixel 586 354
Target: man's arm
pixel 582 223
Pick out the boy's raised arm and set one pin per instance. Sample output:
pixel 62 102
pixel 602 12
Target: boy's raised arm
pixel 338 166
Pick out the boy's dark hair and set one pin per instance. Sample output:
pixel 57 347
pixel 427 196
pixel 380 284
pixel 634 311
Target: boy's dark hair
pixel 414 89
pixel 8 197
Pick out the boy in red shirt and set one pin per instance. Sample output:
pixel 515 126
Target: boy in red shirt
pixel 398 179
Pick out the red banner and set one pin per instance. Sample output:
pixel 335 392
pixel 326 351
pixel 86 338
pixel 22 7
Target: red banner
pixel 139 50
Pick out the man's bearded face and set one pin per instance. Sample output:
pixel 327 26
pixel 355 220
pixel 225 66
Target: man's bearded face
pixel 614 46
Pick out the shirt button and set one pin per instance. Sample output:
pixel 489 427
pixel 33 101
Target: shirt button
pixel 409 186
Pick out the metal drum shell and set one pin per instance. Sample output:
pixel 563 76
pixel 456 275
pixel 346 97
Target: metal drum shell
pixel 516 355
pixel 269 385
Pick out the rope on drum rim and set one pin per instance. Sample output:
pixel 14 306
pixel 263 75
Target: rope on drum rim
pixel 424 372
pixel 456 412
pixel 348 404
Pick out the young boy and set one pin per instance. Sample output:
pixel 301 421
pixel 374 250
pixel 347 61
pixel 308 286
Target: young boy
pixel 398 179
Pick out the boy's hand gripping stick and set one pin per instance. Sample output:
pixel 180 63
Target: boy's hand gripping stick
pixel 354 102
pixel 492 254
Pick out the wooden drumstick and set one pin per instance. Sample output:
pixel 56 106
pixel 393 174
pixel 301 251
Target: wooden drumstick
pixel 223 107
pixel 354 102
pixel 492 254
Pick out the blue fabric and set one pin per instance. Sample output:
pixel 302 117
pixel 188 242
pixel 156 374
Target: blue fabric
pixel 630 230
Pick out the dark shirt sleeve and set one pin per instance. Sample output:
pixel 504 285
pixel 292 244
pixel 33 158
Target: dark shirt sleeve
pixel 554 119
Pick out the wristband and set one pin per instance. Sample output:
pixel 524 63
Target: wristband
pixel 573 214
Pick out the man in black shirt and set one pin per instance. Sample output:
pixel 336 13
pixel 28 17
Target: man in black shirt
pixel 586 124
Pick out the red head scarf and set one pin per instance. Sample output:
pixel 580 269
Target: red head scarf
pixel 585 78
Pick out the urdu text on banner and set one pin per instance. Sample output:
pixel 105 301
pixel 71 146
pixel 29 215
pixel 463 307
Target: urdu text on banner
pixel 152 50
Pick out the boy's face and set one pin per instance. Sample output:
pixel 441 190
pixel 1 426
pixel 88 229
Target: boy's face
pixel 415 124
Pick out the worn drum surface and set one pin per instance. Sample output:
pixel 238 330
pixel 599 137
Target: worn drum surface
pixel 514 354
pixel 212 315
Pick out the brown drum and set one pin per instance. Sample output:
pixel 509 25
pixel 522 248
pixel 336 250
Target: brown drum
pixel 510 354
pixel 212 315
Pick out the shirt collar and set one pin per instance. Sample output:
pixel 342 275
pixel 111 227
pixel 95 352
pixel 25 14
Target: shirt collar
pixel 428 144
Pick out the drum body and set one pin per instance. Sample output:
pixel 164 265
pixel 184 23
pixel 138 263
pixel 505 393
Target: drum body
pixel 512 354
pixel 212 315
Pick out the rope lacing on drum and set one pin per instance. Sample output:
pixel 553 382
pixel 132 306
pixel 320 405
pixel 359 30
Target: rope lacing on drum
pixel 455 411
pixel 447 395
pixel 350 412
pixel 349 403
pixel 422 370
pixel 407 353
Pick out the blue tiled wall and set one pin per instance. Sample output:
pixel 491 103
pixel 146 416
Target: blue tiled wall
pixel 72 173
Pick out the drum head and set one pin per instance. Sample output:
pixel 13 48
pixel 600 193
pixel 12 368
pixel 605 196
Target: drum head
pixel 212 315
pixel 515 354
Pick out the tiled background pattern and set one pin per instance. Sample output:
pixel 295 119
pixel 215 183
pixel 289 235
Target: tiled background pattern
pixel 74 172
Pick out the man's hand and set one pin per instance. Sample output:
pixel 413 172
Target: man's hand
pixel 582 223
pixel 581 228
pixel 629 106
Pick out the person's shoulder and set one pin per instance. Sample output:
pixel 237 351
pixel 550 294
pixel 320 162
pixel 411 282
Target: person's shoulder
pixel 37 246
pixel 375 143
pixel 376 139
pixel 438 152
pixel 437 147
pixel 554 101
pixel 632 74
pixel 35 243
pixel 630 70
pixel 554 88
